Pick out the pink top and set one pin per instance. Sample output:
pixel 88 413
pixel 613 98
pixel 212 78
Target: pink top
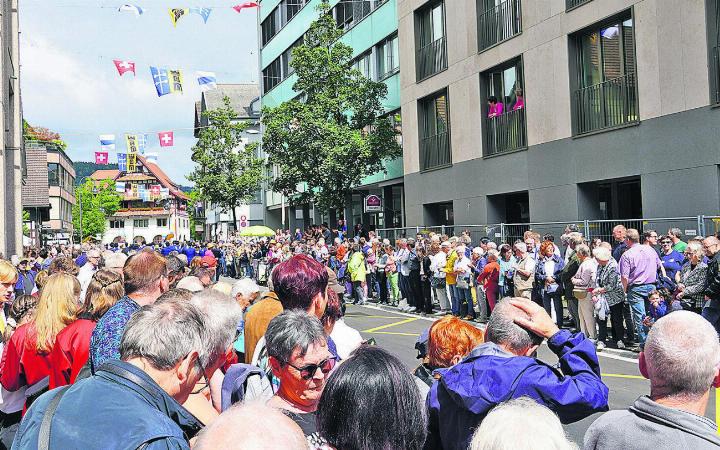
pixel 496 110
pixel 519 104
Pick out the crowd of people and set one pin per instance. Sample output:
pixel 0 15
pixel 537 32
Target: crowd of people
pixel 178 345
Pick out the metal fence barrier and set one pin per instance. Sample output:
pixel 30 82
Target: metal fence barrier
pixel 500 233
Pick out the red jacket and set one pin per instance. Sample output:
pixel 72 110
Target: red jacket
pixel 70 352
pixel 490 275
pixel 22 365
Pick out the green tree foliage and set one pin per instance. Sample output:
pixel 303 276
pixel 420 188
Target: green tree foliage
pixel 42 134
pixel 99 201
pixel 335 134
pixel 194 198
pixel 26 220
pixel 228 173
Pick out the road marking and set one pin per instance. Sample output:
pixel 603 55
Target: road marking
pixel 394 324
pixel 620 375
pixel 402 314
pixel 394 333
pixel 360 316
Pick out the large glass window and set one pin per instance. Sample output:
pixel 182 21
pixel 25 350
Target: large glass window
pixel 606 94
pixel 363 63
pixel 504 119
pixel 53 174
pixel 498 20
pixel 713 24
pixel 434 125
pixel 272 75
pixel 271 25
pixel 431 44
pixel 388 58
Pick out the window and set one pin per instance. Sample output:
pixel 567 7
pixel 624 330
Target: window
pixel 141 223
pixel 498 21
pixel 270 26
pixel 291 7
pixel 347 13
pixel 272 75
pixel 388 58
pixel 504 126
pixel 53 174
pixel 396 122
pixel 605 86
pixel 363 63
pixel 117 224
pixel 713 25
pixel 161 222
pixel 571 4
pixel 432 52
pixel 286 57
pixel 434 128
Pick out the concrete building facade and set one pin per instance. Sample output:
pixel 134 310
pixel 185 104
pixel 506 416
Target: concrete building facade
pixel 608 109
pixel 11 146
pixel 370 28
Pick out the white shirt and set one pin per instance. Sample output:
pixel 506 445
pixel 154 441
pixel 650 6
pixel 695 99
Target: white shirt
pixel 84 276
pixel 346 338
pixel 438 263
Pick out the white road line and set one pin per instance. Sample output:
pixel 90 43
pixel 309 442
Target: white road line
pixel 607 353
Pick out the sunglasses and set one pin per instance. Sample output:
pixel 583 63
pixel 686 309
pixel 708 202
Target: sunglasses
pixel 307 372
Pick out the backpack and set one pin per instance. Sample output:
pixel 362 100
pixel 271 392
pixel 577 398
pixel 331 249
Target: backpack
pixel 244 382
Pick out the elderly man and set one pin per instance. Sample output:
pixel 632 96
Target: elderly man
pixel 502 369
pixel 681 360
pixel 88 269
pixel 524 271
pixel 136 400
pixel 639 266
pixel 145 278
pixel 711 310
pixel 245 291
pixel 619 233
pixel 239 427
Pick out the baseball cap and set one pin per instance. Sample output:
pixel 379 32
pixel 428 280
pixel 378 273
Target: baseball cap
pixel 209 261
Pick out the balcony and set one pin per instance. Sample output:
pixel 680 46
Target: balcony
pixel 572 4
pixel 432 58
pixel 505 133
pixel 604 105
pixel 435 151
pixel 499 23
pixel 715 75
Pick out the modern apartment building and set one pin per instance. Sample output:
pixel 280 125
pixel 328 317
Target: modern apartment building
pixel 11 147
pixel 602 109
pixel 370 28
pixel 217 222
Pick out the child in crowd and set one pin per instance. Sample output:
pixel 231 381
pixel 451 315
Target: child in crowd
pixel 661 304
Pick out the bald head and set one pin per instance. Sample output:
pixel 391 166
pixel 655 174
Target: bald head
pixel 252 426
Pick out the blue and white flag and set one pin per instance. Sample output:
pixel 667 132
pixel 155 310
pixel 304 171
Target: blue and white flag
pixel 135 9
pixel 119 187
pixel 122 162
pixel 162 81
pixel 107 142
pixel 202 12
pixel 141 143
pixel 207 80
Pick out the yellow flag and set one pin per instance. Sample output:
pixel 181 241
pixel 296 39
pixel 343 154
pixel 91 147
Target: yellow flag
pixel 132 163
pixel 132 143
pixel 176 14
pixel 176 81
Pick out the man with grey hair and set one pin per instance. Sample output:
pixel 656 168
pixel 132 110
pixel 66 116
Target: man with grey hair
pixel 675 236
pixel 503 368
pixel 165 350
pixel 239 427
pixel 711 309
pixel 681 359
pixel 245 291
pixel 524 271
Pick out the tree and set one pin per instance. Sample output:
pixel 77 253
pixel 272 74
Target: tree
pixel 228 173
pixel 335 134
pixel 42 134
pixel 194 198
pixel 98 202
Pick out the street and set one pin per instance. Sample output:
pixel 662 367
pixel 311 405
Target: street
pixel 397 332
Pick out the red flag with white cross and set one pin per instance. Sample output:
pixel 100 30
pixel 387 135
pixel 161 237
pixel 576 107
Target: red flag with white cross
pixel 101 157
pixel 124 66
pixel 166 138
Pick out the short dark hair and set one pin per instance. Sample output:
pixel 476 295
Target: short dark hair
pixel 142 270
pixel 492 99
pixel 298 280
pixel 372 380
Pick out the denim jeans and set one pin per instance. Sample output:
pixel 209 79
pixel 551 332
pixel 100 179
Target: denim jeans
pixel 636 296
pixel 454 304
pixel 465 302
pixel 711 312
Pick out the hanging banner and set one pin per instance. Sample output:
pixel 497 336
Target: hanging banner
pixel 166 138
pixel 101 157
pixel 155 191
pixel 202 12
pixel 132 162
pixel 175 77
pixel 124 66
pixel 132 143
pixel 122 162
pixel 242 6
pixel 176 14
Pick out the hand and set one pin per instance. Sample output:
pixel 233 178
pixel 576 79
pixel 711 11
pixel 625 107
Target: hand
pixel 540 322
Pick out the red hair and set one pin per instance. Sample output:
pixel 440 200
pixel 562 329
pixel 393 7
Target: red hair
pixel 545 246
pixel 298 280
pixel 450 337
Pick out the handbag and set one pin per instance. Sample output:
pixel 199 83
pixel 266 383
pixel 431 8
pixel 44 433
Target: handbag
pixel 580 294
pixel 462 283
pixel 437 282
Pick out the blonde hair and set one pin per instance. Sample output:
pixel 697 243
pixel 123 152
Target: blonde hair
pixel 104 290
pixel 56 309
pixel 8 273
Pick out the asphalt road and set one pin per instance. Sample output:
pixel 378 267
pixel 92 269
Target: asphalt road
pixel 397 332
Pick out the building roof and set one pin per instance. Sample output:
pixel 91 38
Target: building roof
pixel 35 191
pixel 164 180
pixel 152 212
pixel 104 174
pixel 241 97
pixel 135 177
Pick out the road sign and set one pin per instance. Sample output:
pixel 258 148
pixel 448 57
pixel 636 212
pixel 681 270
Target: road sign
pixel 373 203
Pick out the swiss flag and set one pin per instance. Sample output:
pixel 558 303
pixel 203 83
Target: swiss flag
pixel 124 66
pixel 155 190
pixel 101 157
pixel 166 138
pixel 242 6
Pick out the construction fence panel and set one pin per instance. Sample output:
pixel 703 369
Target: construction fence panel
pixel 688 226
pixel 711 225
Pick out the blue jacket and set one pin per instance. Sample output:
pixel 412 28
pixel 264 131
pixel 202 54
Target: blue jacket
pixel 109 411
pixel 540 274
pixel 488 376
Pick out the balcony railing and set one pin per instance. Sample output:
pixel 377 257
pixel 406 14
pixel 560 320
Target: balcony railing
pixel 431 58
pixel 570 4
pixel 499 23
pixel 505 133
pixel 606 105
pixel 715 75
pixel 435 151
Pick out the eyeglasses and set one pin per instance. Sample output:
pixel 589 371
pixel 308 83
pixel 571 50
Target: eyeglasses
pixel 207 381
pixel 307 372
pixel 666 243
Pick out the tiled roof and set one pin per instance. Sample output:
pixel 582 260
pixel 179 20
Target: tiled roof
pixel 241 97
pixel 135 177
pixel 162 178
pixel 105 174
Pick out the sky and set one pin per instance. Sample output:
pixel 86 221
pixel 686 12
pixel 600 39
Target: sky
pixel 70 85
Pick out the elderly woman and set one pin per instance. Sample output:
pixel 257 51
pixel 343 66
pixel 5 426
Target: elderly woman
pixel 463 270
pixel 506 262
pixel 583 282
pixel 301 361
pixel 609 284
pixel 692 277
pixel 547 276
